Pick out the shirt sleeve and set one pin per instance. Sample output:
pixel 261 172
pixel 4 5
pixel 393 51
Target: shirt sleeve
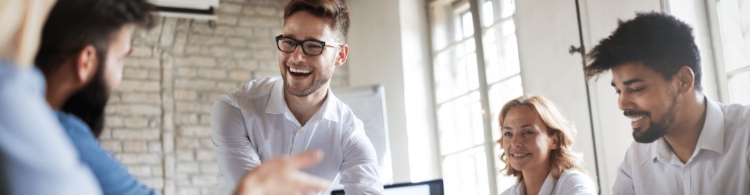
pixel 112 176
pixel 235 153
pixel 624 181
pixel 359 171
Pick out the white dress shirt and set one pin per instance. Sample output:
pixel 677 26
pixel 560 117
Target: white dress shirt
pixel 571 182
pixel 720 163
pixel 254 123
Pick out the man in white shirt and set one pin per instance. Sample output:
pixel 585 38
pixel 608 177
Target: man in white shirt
pixel 685 143
pixel 275 116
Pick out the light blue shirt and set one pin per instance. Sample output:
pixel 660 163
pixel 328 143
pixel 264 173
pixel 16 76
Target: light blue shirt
pixel 113 177
pixel 35 154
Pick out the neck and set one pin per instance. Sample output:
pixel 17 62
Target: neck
pixel 686 130
pixel 59 89
pixel 303 108
pixel 533 179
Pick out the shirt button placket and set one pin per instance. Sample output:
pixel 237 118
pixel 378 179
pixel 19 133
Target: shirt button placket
pixel 686 180
pixel 297 142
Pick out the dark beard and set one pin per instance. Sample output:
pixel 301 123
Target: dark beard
pixel 89 102
pixel 656 131
pixel 317 83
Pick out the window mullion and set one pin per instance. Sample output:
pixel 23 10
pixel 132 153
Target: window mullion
pixel 484 97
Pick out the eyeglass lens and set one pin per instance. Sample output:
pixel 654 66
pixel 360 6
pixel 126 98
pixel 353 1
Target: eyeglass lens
pixel 309 47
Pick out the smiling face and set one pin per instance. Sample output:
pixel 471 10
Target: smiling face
pixel 647 99
pixel 304 74
pixel 525 139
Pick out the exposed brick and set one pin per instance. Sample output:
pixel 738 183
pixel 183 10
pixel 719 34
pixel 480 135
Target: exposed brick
pixel 186 72
pixel 195 61
pixel 194 84
pixel 206 40
pixel 197 49
pixel 205 154
pixel 227 86
pixel 133 159
pixel 225 19
pixel 260 21
pixel 265 54
pixel 135 146
pixel 204 119
pixel 237 42
pixel 140 170
pixel 243 53
pixel 193 107
pixel 124 109
pixel 187 143
pixel 154 98
pixel 212 73
pixel 230 8
pixel 139 85
pixel 125 134
pixel 187 167
pixel 132 73
pixel 186 119
pixel 209 167
pixel 111 145
pixel 141 51
pixel 266 11
pixel 203 181
pixel 185 155
pixel 156 183
pixel 220 51
pixel 194 131
pixel 239 75
pixel 185 94
pixel 154 146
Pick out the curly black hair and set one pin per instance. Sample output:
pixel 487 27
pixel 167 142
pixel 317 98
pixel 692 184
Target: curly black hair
pixel 659 41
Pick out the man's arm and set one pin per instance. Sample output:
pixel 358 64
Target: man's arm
pixel 359 171
pixel 235 153
pixel 37 157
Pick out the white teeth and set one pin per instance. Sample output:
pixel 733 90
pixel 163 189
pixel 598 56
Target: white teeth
pixel 636 118
pixel 520 154
pixel 299 71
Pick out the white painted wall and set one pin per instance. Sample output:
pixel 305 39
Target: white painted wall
pixel 389 45
pixel 545 30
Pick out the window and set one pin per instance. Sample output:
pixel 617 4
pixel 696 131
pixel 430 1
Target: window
pixel 734 22
pixel 468 152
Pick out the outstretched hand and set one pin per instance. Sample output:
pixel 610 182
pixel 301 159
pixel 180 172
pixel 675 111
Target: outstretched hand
pixel 282 175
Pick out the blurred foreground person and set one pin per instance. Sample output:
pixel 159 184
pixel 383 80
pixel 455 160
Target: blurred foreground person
pixel 537 142
pixel 36 156
pixel 685 143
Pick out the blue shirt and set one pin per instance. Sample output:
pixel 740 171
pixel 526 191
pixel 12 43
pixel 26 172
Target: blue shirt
pixel 113 177
pixel 35 155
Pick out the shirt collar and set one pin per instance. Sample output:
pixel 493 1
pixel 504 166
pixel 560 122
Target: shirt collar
pixel 711 137
pixel 547 187
pixel 277 105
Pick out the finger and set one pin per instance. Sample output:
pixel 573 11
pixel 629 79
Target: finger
pixel 306 159
pixel 309 182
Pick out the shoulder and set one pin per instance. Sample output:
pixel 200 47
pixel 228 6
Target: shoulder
pixel 736 116
pixel 344 114
pixel 255 88
pixel 575 182
pixel 74 127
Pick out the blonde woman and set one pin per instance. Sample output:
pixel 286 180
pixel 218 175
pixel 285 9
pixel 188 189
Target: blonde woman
pixel 537 143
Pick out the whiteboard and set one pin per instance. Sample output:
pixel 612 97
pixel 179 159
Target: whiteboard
pixel 368 104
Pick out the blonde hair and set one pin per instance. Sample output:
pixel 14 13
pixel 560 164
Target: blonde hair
pixel 561 159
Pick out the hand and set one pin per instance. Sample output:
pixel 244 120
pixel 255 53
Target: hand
pixel 281 175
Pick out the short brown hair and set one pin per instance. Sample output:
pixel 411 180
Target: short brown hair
pixel 561 159
pixel 334 11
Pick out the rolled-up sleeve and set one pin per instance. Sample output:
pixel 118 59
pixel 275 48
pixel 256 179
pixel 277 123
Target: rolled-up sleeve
pixel 235 152
pixel 359 171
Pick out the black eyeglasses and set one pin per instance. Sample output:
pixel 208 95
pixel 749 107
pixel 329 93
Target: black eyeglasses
pixel 309 47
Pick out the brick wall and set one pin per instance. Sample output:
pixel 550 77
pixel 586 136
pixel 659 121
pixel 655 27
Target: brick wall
pixel 158 120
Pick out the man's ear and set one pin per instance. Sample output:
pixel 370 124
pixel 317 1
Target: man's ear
pixel 86 64
pixel 685 79
pixel 342 55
